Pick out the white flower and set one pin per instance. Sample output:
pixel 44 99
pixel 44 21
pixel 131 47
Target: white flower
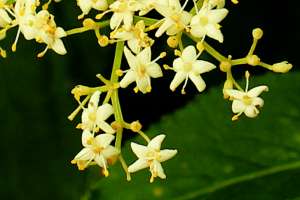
pixel 123 12
pixel 96 150
pixel 206 22
pixel 141 69
pixel 94 116
pixel 188 67
pixel 87 5
pixel 148 5
pixel 4 17
pixel 176 19
pixel 151 156
pixel 246 101
pixel 136 37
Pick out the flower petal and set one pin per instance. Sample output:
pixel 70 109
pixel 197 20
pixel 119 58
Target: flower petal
pixel 138 165
pixel 86 136
pixel 189 53
pixel 104 111
pixel 155 143
pixel 144 56
pixel 139 150
pixel 251 111
pixel 198 81
pixel 105 127
pixel 103 140
pixel 100 160
pixel 129 77
pixel 85 154
pixel 143 83
pixel 177 80
pixel 238 106
pixel 178 64
pixel 154 70
pixel 201 66
pixel 166 154
pixel 214 32
pixel 131 59
pixel 236 94
pixel 109 152
pixel 217 15
pixel 157 169
pixel 257 101
pixel 94 100
pixel 254 92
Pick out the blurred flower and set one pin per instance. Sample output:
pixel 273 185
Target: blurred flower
pixel 87 5
pixel 151 156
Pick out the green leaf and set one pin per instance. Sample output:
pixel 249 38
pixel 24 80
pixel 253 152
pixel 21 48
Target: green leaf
pixel 220 159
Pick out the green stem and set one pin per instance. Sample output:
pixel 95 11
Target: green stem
pixel 84 29
pixel 241 179
pixel 147 21
pixel 115 96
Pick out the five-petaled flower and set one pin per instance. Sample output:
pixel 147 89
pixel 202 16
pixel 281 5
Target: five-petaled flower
pixel 96 150
pixel 188 67
pixel 94 116
pixel 141 69
pixel 151 156
pixel 246 101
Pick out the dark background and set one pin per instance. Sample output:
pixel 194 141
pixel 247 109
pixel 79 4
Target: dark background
pixel 37 140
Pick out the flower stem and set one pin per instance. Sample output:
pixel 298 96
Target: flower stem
pixel 84 29
pixel 115 96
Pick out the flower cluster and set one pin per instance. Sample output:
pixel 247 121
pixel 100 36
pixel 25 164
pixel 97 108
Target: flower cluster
pixel 135 34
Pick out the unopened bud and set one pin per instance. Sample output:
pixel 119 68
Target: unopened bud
pixel 2 53
pixel 253 60
pixel 200 46
pixel 227 86
pixel 257 33
pixel 172 41
pixel 81 90
pixel 89 23
pixel 282 67
pixel 103 40
pixel 135 126
pixel 225 66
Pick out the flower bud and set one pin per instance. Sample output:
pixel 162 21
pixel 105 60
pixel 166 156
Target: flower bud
pixel 172 41
pixel 135 126
pixel 227 86
pixel 81 90
pixel 253 60
pixel 103 40
pixel 225 66
pixel 89 23
pixel 282 67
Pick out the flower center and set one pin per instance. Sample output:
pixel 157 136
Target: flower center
pixel 247 100
pixel 203 20
pixel 92 116
pixel 187 66
pixel 97 150
pixel 141 71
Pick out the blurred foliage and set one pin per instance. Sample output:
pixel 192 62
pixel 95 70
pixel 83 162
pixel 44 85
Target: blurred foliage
pixel 256 158
pixel 38 142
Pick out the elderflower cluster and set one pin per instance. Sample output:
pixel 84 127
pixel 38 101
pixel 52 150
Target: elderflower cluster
pixel 126 23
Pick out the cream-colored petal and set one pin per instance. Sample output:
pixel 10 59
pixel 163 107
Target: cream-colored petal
pixel 139 150
pixel 131 59
pixel 198 82
pixel 138 165
pixel 86 137
pixel 178 64
pixel 100 160
pixel 85 154
pixel 177 80
pixel 144 56
pixel 254 92
pixel 214 32
pixel 128 20
pixel 100 5
pixel 116 20
pixel 58 47
pixel 129 77
pixel 104 111
pixel 163 27
pixel 198 31
pixel 105 127
pixel 257 101
pixel 201 66
pixel 103 140
pixel 157 170
pixel 166 154
pixel 217 15
pixel 155 143
pixel 238 106
pixel 133 44
pixel 236 94
pixel 143 83
pixel 94 100
pixel 251 111
pixel 110 152
pixel 85 5
pixel 154 70
pixel 60 32
pixel 189 53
